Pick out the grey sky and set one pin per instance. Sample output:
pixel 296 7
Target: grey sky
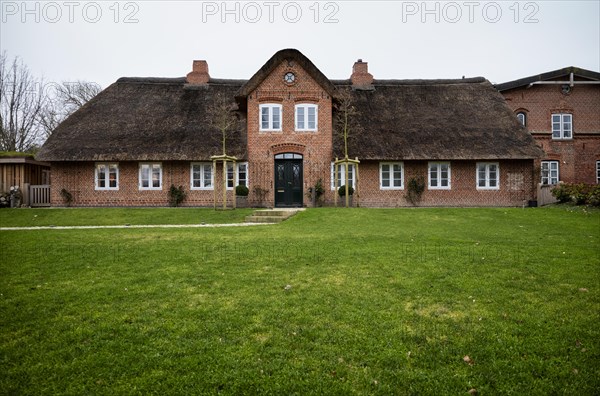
pixel 104 40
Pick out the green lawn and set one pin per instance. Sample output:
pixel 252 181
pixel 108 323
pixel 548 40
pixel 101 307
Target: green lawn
pixel 332 301
pixel 118 216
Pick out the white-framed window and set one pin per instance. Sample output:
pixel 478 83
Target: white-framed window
pixel 306 117
pixel 598 172
pixel 107 176
pixel 151 176
pixel 342 175
pixel 522 116
pixel 562 126
pixel 439 176
pixel 240 177
pixel 270 117
pixel 550 172
pixel 488 176
pixel 201 176
pixel 391 175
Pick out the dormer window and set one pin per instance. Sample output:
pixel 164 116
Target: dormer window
pixel 270 117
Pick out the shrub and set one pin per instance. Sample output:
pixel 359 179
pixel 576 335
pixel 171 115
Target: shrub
pixel 342 190
pixel 594 195
pixel 319 190
pixel 580 194
pixel 176 195
pixel 415 188
pixel 562 192
pixel 241 190
pixel 67 196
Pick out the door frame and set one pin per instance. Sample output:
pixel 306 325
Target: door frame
pixel 296 198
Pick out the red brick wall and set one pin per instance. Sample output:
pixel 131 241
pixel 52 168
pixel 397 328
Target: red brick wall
pixel 516 187
pixel 316 147
pixel 577 156
pixel 78 178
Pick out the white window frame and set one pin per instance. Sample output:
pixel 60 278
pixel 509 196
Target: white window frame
pixel 152 166
pixel 438 173
pixel 203 166
pixel 107 166
pixel 230 182
pixel 559 132
pixel 487 179
pixel 598 172
pixel 392 179
pixel 522 116
pixel 306 107
pixel 547 177
pixel 342 176
pixel 269 107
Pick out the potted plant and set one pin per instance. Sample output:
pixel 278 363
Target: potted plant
pixel 241 196
pixel 342 193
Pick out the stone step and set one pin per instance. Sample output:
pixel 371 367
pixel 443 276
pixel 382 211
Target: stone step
pixel 285 213
pixel 264 219
pixel 270 216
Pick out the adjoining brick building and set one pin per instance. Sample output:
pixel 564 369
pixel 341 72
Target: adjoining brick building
pixel 561 110
pixel 139 136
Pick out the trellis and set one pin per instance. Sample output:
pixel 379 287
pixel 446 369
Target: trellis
pixel 336 164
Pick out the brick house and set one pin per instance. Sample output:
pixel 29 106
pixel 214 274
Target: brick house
pixel 139 136
pixel 561 110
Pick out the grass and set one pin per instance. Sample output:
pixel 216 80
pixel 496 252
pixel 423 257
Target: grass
pixel 118 216
pixel 332 301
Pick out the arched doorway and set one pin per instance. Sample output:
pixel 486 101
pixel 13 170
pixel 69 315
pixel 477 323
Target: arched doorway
pixel 288 180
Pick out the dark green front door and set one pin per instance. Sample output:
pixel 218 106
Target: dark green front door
pixel 288 181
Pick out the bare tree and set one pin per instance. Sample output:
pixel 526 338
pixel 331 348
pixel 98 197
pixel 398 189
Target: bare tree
pixel 64 100
pixel 345 124
pixel 21 102
pixel 221 116
pixel 345 117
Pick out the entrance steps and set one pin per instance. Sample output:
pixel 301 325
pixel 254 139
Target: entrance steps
pixel 271 215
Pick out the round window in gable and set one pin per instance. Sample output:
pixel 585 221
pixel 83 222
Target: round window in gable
pixel 289 78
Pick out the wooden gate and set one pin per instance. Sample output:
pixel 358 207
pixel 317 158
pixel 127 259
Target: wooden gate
pixel 39 195
pixel 544 194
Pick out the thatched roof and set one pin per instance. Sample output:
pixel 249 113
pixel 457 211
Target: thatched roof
pixel 434 119
pixel 143 119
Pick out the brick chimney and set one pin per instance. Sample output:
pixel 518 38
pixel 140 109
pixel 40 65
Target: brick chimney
pixel 199 73
pixel 360 74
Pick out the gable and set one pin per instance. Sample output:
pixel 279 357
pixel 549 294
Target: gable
pixel 287 57
pixel 560 74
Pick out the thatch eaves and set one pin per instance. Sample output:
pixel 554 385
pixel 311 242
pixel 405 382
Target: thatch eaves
pixel 145 119
pixel 465 119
